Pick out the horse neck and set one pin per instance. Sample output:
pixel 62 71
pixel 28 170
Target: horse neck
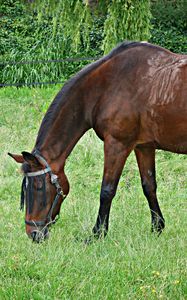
pixel 68 126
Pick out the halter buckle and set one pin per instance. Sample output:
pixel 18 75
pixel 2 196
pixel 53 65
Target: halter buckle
pixel 54 178
pixel 60 192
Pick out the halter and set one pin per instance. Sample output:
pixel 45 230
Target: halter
pixel 27 189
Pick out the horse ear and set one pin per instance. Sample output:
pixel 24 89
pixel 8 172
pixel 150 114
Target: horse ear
pixel 18 158
pixel 30 158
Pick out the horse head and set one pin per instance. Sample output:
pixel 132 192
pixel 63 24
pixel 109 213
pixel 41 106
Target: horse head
pixel 42 192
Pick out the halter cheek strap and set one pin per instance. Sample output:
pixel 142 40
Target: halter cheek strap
pixel 54 180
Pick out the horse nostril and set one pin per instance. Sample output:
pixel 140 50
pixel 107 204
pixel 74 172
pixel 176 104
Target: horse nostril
pixel 39 236
pixel 33 235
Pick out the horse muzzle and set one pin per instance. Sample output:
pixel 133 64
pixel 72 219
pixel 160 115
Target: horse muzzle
pixel 39 235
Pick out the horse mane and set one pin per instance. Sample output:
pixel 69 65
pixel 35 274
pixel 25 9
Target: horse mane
pixel 61 98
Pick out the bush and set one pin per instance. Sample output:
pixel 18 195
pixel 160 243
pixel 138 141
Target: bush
pixel 169 24
pixel 170 39
pixel 30 34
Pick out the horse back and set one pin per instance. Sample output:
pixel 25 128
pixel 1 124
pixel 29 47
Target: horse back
pixel 141 97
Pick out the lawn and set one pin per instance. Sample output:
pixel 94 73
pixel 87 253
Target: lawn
pixel 130 263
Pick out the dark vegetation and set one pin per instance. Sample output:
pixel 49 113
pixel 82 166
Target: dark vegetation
pixel 41 32
pixel 169 24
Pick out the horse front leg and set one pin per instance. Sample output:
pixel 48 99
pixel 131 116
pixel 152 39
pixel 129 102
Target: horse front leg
pixel 115 155
pixel 146 163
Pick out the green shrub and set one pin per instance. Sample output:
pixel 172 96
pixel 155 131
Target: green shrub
pixel 47 33
pixel 29 36
pixel 170 14
pixel 170 24
pixel 170 39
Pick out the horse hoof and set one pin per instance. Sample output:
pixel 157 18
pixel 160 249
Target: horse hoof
pixel 89 240
pixel 158 226
pixel 95 237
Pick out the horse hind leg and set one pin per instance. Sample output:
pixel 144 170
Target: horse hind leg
pixel 146 163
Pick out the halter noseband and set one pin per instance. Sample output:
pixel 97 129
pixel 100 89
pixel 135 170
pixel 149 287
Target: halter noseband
pixel 27 188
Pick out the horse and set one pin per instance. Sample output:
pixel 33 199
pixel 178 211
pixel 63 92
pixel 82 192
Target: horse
pixel 134 98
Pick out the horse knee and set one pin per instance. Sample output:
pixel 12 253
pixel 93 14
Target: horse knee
pixel 149 188
pixel 107 192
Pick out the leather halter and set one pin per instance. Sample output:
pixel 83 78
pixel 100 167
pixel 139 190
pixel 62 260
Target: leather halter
pixel 54 181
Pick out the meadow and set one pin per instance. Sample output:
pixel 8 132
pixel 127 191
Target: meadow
pixel 130 263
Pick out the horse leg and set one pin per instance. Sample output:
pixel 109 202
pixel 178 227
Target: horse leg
pixel 146 163
pixel 115 155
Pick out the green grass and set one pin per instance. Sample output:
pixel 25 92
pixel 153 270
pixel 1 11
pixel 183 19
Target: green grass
pixel 131 263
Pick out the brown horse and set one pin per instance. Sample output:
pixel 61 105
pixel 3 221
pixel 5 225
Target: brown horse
pixel 135 98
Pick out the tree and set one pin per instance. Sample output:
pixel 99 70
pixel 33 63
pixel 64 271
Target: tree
pixel 117 20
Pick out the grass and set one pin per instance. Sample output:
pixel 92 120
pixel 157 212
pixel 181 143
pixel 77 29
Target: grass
pixel 131 263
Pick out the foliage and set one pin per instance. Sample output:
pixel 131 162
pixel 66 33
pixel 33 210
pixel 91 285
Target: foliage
pixel 170 14
pixel 49 30
pixel 170 24
pixel 56 29
pixel 131 263
pixel 126 20
pixel 30 36
pixel 121 19
pixel 171 39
